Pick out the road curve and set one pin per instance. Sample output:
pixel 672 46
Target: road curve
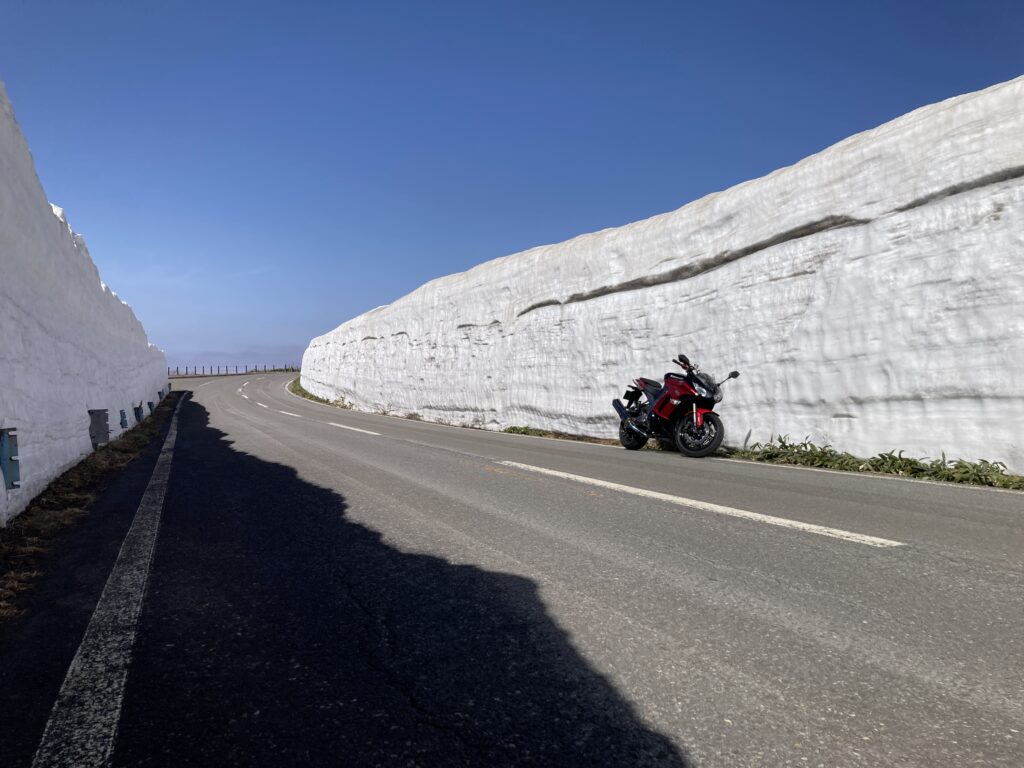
pixel 333 587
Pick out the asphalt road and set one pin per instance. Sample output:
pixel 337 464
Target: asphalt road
pixel 337 588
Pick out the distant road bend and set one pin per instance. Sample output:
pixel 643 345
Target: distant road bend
pixel 330 587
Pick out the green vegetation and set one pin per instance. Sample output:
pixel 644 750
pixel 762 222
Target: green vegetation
pixel 528 431
pixel 297 389
pixel 532 432
pixel 25 542
pixel 782 450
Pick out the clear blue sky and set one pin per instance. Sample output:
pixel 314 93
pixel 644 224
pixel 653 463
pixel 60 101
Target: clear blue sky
pixel 249 175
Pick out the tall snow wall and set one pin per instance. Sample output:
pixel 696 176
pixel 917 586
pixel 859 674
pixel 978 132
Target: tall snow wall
pixel 67 343
pixel 872 296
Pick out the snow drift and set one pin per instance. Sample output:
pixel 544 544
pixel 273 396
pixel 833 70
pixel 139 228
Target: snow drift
pixel 871 295
pixel 67 343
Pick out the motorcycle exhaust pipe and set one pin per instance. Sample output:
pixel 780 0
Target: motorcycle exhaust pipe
pixel 621 410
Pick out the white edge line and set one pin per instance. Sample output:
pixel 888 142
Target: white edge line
pixel 325 405
pixel 354 429
pixel 555 439
pixel 289 413
pixel 439 424
pixel 782 522
pixel 83 722
pixel 306 399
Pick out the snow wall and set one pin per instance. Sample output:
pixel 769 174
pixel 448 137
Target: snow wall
pixel 67 343
pixel 872 296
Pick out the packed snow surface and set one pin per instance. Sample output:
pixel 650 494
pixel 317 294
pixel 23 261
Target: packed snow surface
pixel 67 343
pixel 872 297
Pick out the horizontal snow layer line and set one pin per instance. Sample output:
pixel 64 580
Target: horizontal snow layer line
pixel 968 186
pixel 704 265
pixel 796 233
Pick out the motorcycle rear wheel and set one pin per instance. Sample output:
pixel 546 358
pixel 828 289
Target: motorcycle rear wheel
pixel 698 442
pixel 630 440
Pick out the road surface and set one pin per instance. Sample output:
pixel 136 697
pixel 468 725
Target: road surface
pixel 329 587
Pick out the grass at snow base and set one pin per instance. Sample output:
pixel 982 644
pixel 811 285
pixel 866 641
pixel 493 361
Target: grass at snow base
pixel 782 450
pixel 27 539
pixel 297 389
pixel 558 435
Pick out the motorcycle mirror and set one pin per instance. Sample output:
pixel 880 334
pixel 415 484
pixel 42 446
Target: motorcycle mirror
pixel 734 374
pixel 684 359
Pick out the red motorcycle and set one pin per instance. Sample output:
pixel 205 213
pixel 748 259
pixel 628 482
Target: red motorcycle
pixel 678 412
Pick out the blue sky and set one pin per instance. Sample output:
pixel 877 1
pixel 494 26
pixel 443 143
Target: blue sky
pixel 250 175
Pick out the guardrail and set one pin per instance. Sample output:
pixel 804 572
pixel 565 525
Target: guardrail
pixel 99 434
pixel 226 370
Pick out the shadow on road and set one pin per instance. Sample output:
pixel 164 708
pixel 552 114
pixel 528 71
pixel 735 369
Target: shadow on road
pixel 278 632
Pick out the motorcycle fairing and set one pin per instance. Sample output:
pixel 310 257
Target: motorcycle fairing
pixel 676 389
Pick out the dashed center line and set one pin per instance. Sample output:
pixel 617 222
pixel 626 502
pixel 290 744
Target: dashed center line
pixel 261 405
pixel 246 397
pixel 704 506
pixel 288 413
pixel 354 429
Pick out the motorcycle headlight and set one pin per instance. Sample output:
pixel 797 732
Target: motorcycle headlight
pixel 701 391
pixel 718 396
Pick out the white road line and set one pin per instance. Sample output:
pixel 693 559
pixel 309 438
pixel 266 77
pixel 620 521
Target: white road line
pixel 245 384
pixel 287 413
pixel 245 396
pixel 261 405
pixel 83 721
pixel 821 530
pixel 354 429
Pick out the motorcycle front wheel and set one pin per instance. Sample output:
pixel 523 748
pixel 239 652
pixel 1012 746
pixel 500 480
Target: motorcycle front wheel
pixel 630 440
pixel 695 441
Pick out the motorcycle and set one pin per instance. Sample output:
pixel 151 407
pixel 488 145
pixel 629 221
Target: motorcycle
pixel 678 412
